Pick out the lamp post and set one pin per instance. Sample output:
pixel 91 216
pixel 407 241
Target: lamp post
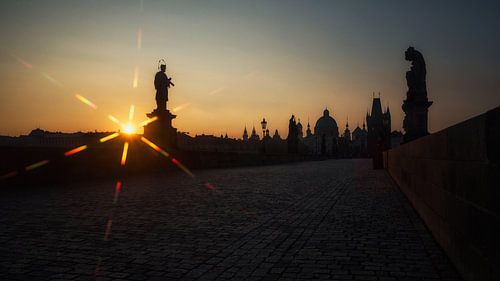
pixel 264 126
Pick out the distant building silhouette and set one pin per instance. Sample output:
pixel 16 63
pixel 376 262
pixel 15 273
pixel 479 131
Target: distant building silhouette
pixel 276 135
pixel 324 141
pixel 300 130
pixel 41 138
pixel 396 138
pixel 308 131
pixel 293 136
pixel 347 132
pixel 379 131
pixel 359 141
pixel 254 136
pixel 245 134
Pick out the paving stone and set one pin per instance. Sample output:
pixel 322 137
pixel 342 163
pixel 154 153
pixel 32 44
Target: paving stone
pixel 336 220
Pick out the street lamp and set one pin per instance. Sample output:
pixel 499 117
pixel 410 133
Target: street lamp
pixel 264 125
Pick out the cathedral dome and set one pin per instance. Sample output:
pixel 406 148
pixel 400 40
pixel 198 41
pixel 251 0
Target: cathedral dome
pixel 326 125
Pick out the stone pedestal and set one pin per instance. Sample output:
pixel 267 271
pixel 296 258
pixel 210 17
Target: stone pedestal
pixel 415 121
pixel 161 131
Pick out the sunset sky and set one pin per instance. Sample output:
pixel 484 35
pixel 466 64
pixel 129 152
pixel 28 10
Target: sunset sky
pixel 235 62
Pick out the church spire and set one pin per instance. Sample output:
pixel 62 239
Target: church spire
pixel 245 133
pixel 308 131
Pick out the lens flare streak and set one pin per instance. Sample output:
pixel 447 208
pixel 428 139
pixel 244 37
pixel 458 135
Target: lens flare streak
pixel 155 147
pixel 210 186
pixel 217 91
pixel 36 165
pixel 114 119
pixel 150 120
pixel 117 191
pixel 108 229
pixel 135 82
pixel 53 80
pixel 139 38
pixel 23 62
pixel 109 137
pixel 131 113
pixel 75 150
pixel 124 154
pixel 9 175
pixel 85 101
pixel 164 153
pixel 180 165
pixel 181 107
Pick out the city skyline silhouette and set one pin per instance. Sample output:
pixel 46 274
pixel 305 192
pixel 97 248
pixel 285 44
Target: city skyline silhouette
pixel 250 140
pixel 272 61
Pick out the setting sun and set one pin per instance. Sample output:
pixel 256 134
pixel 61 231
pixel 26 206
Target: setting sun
pixel 129 129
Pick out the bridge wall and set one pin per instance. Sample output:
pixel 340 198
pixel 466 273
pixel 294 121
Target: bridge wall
pixel 452 178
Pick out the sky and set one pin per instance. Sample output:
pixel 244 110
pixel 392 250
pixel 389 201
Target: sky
pixel 236 62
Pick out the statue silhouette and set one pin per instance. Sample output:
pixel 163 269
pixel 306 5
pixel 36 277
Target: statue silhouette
pixel 293 136
pixel 162 83
pixel 415 78
pixel 416 105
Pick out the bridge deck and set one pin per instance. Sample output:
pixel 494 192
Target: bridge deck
pixel 333 219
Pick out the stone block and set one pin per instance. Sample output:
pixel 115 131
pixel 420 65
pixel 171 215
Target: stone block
pixel 457 214
pixel 492 185
pixel 436 146
pixel 474 266
pixel 466 140
pixel 469 179
pixel 493 135
pixel 445 236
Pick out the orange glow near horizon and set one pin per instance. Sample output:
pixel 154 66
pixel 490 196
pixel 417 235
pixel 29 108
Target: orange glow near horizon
pixel 224 83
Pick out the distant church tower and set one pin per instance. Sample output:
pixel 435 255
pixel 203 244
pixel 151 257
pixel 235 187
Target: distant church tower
pixel 245 134
pixel 347 132
pixel 416 105
pixel 379 132
pixel 300 130
pixel 254 136
pixel 308 131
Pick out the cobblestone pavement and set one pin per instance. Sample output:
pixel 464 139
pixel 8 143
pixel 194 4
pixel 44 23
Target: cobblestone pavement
pixel 336 220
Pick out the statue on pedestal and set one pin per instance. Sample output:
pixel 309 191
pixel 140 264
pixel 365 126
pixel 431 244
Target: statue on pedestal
pixel 161 130
pixel 416 104
pixel 293 136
